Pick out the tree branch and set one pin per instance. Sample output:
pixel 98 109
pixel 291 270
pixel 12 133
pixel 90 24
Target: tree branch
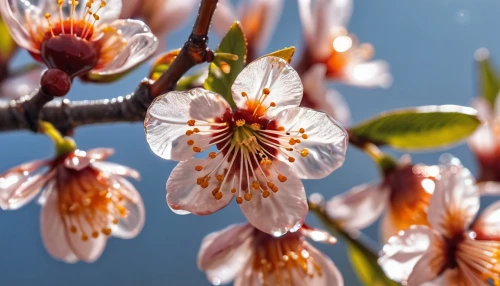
pixel 67 115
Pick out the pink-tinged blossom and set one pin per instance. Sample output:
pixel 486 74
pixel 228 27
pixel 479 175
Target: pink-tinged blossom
pixel 324 24
pixel 257 152
pixel 454 249
pixel 162 16
pixel 15 86
pixel 84 200
pixel 485 143
pixel 82 39
pixel 251 258
pixel 258 19
pixel 403 195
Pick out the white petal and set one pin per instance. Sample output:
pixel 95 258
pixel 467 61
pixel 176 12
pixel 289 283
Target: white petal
pixel 272 73
pixel 306 18
pixel 224 253
pixel 140 44
pixel 170 15
pixel 261 16
pixel 282 211
pixel 14 17
pixel 26 192
pixel 167 117
pixel 132 225
pixel 487 225
pixel 184 195
pixel 368 74
pixel 59 242
pixel 21 84
pixel 455 199
pixel 106 14
pixel 117 169
pixel 326 142
pixel 317 97
pixel 78 160
pixel 489 188
pixel 484 109
pixel 484 140
pixel 224 17
pixel 359 207
pixel 428 268
pixel 331 276
pixel 317 235
pixel 100 153
pixel 402 252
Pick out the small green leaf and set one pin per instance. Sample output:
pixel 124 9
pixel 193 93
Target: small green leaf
pixel 366 267
pixel 490 83
pixel 222 71
pixel 419 128
pixel 286 54
pixel 162 63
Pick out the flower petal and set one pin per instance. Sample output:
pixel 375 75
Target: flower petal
pixel 167 117
pixel 100 153
pixel 140 44
pixel 132 225
pixel 59 242
pixel 387 227
pixel 282 211
pixel 331 276
pixel 14 16
pixel 359 207
pixel 431 264
pixel 368 74
pixel 326 142
pixel 259 19
pixel 489 188
pixel 274 74
pixel 78 160
pixel 317 97
pixel 455 199
pixel 487 225
pixel 224 17
pixel 317 235
pixel 117 169
pixel 107 14
pixel 224 253
pixel 402 252
pixel 170 15
pixel 22 84
pixel 26 192
pixel 184 195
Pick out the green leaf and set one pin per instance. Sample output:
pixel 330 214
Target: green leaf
pixel 162 63
pixel 7 44
pixel 366 267
pixel 419 128
pixel 490 83
pixel 286 54
pixel 223 71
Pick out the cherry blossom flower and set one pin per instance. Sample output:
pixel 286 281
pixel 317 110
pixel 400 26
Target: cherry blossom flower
pixel 404 195
pixel 84 200
pixel 17 85
pixel 81 39
pixel 258 19
pixel 317 97
pixel 257 152
pixel 454 249
pixel 328 42
pixel 251 257
pixel 161 16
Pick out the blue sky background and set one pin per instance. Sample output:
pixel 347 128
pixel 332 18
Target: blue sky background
pixel 429 45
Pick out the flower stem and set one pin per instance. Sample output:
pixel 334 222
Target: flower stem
pixel 63 145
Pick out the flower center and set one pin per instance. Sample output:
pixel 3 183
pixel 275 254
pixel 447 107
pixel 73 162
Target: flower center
pixel 281 261
pixel 65 44
pixel 343 53
pixel 249 145
pixel 88 203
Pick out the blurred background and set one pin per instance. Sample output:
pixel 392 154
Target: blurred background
pixel 429 45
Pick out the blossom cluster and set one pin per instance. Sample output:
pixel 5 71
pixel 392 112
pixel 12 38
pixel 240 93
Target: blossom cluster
pixel 277 125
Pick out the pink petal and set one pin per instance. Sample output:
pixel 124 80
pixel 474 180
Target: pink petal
pixel 224 17
pixel 430 265
pixel 78 160
pixel 331 276
pixel 117 169
pixel 489 188
pixel 170 15
pixel 387 228
pixel 368 74
pixel 100 154
pixel 282 211
pixel 167 117
pixel 455 199
pixel 224 253
pixel 360 206
pixel 106 14
pixel 317 235
pixel 308 25
pixel 484 140
pixel 140 45
pixel 184 195
pixel 26 192
pixel 59 242
pixel 326 142
pixel 402 252
pixel 132 225
pixel 273 73
pixel 17 86
pixel 14 16
pixel 129 8
pixel 319 98
pixel 487 225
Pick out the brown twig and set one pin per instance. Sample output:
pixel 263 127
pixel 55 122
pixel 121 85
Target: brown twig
pixel 67 115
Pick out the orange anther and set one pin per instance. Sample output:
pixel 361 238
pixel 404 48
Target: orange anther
pixel 291 141
pixel 198 168
pixel 189 132
pixel 85 237
pixel 272 104
pixel 291 159
pixel 240 122
pixel 274 189
pixel 281 128
pixel 190 142
pixel 218 196
pixel 255 185
pixel 219 177
pixel 212 155
pixel 266 194
pixel 282 178
pixel 304 136
pixel 106 231
pixel 270 184
pixel 95 234
pixel 301 130
pixel 244 94
pixel 239 200
pixel 233 190
pixel 72 229
pixel 304 152
pixel 215 191
pixel 248 197
pixel 191 122
pixel 266 91
pixel 196 130
pixel 196 149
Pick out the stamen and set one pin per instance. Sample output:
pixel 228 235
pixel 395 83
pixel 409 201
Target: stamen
pixel 47 16
pixel 61 22
pixel 240 122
